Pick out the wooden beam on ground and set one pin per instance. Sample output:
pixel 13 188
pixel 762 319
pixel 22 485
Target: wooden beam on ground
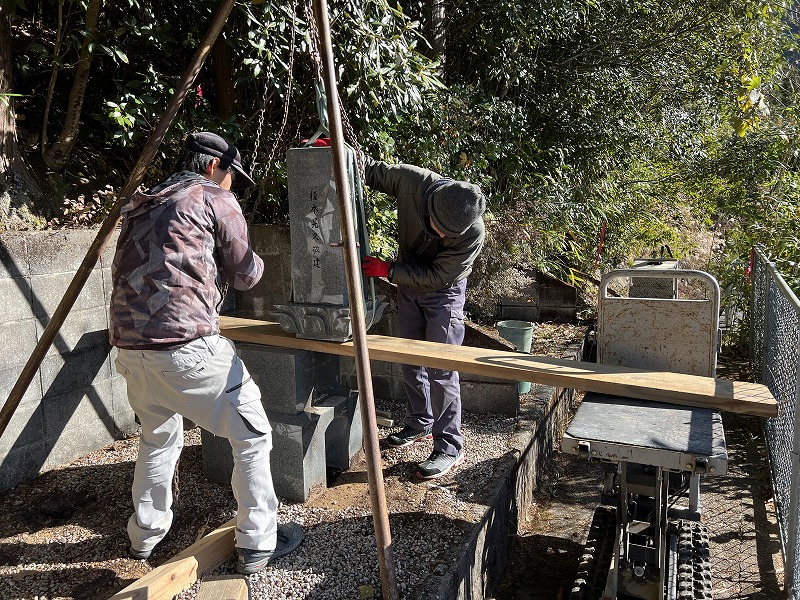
pixel 230 587
pixel 675 388
pixel 171 578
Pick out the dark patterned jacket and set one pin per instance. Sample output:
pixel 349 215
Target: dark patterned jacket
pixel 179 242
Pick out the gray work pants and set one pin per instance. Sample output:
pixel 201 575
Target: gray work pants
pixel 206 382
pixel 434 395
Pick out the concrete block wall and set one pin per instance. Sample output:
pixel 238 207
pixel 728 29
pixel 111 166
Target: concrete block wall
pixel 271 243
pixel 76 402
pixel 546 299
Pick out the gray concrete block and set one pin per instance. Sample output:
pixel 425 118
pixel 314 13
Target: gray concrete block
pixel 19 340
pixel 347 371
pixel 62 373
pixel 124 417
pixel 344 436
pixel 546 299
pixel 25 428
pixel 8 379
pixel 498 398
pixel 108 285
pixel 381 368
pixel 270 240
pixel 290 379
pixel 397 370
pixel 22 464
pixel 388 388
pixel 81 329
pixel 77 421
pixel 298 453
pixel 58 251
pixel 217 457
pixel 107 257
pixel 14 255
pixel 48 290
pixel 271 243
pixel 15 299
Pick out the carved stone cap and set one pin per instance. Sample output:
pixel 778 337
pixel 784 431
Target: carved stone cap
pixel 329 322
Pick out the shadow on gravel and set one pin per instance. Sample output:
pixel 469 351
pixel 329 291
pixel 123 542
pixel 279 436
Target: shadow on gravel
pixel 85 510
pixel 740 516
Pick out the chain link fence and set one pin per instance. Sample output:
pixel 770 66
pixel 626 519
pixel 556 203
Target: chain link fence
pixel 775 353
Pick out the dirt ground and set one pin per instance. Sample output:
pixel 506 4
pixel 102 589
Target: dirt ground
pixel 737 509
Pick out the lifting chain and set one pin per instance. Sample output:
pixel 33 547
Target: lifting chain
pixel 316 58
pixel 262 112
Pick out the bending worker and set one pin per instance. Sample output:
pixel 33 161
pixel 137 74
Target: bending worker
pixel 441 232
pixel 181 243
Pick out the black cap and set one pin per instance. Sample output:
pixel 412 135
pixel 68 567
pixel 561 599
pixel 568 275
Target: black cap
pixel 215 145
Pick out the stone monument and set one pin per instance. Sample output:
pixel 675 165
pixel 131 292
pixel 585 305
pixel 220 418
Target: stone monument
pixel 320 307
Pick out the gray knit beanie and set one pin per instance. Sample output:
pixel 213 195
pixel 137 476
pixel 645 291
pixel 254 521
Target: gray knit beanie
pixel 455 207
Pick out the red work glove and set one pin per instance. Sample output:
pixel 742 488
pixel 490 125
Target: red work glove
pixel 375 267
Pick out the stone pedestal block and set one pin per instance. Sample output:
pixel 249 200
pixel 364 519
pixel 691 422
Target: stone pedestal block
pixel 345 434
pixel 290 380
pixel 217 457
pixel 313 427
pixel 298 453
pixel 488 395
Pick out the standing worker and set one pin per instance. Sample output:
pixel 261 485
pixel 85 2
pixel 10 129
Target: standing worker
pixel 441 232
pixel 182 242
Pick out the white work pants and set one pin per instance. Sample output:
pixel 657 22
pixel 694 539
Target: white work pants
pixel 206 382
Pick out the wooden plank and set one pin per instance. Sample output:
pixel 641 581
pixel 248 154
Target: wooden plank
pixel 171 578
pixel 229 587
pixel 675 388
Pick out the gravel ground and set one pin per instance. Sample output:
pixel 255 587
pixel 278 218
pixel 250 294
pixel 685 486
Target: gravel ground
pixel 63 535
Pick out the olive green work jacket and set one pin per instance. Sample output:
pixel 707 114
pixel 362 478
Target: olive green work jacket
pixel 426 261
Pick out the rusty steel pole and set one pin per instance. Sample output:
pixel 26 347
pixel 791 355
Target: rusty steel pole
pixel 111 221
pixel 377 494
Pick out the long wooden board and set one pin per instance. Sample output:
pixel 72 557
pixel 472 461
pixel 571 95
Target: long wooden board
pixel 181 571
pixel 675 388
